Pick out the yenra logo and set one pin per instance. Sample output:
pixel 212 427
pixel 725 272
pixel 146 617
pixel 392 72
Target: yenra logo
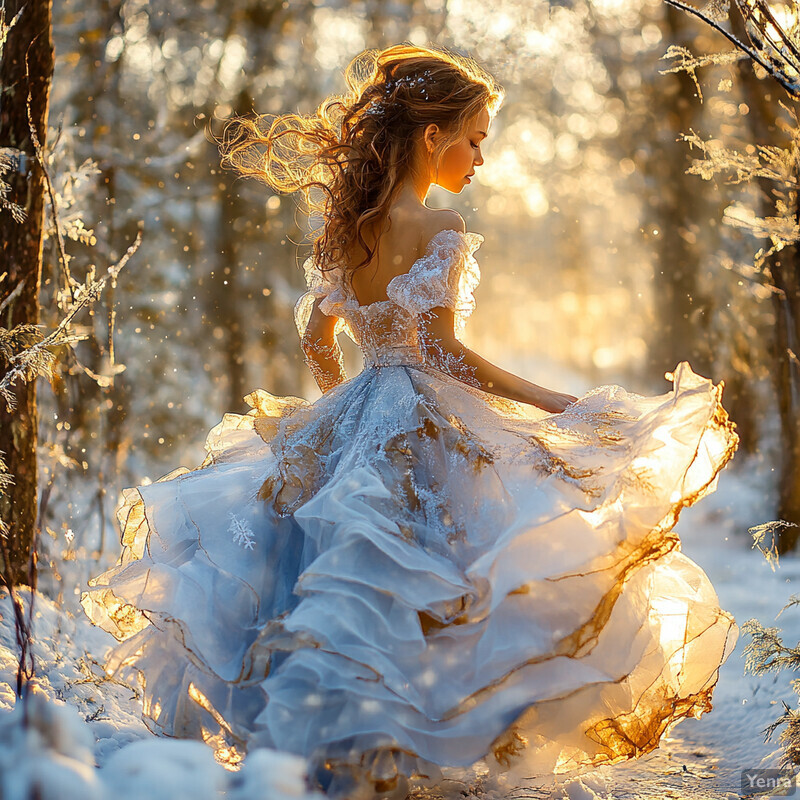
pixel 774 781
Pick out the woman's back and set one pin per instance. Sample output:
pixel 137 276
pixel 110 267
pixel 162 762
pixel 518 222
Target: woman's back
pixel 406 233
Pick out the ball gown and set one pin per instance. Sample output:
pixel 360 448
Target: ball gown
pixel 411 576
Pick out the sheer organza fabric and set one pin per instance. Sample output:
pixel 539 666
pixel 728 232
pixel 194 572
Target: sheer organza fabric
pixel 413 577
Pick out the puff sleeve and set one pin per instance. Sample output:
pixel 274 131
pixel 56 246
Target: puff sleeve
pixel 327 286
pixel 446 275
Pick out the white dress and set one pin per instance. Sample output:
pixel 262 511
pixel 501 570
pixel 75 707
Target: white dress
pixel 410 575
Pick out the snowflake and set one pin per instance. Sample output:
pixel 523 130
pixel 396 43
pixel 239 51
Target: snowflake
pixel 242 533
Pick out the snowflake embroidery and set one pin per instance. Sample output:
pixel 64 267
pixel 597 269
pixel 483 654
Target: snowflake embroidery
pixel 242 532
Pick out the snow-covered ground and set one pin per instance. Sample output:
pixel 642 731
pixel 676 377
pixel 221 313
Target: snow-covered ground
pixel 80 719
pixel 85 737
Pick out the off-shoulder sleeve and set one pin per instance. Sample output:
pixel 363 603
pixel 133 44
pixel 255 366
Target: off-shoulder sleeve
pixel 325 286
pixel 446 275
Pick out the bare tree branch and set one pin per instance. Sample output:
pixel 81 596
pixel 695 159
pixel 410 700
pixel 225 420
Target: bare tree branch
pixel 31 358
pixel 37 148
pixel 778 74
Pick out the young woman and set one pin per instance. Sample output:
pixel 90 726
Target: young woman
pixel 438 569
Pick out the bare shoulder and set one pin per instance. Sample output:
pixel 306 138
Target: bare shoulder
pixel 445 219
pixel 438 220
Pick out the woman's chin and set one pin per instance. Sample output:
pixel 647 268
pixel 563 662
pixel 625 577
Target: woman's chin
pixel 453 188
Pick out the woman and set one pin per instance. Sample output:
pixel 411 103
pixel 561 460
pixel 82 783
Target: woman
pixel 438 569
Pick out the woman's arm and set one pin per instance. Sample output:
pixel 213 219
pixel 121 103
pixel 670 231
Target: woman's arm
pixel 322 352
pixel 449 354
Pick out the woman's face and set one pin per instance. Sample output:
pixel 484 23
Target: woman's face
pixel 459 160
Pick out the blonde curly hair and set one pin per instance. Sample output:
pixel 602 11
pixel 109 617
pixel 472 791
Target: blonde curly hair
pixel 351 156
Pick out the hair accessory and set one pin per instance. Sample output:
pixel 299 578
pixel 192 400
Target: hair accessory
pixel 421 82
pixel 411 81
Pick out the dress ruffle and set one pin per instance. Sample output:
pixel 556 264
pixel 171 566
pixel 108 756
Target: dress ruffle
pixel 327 286
pixel 411 576
pixel 445 275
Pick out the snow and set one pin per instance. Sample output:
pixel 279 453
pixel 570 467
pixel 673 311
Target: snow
pixel 86 740
pixel 85 737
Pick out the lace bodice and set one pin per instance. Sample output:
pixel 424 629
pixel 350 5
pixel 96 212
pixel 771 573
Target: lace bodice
pixel 388 331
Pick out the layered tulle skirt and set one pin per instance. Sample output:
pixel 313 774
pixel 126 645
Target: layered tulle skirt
pixel 411 575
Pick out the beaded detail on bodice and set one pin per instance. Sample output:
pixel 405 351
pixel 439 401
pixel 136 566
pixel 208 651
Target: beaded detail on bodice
pixel 388 331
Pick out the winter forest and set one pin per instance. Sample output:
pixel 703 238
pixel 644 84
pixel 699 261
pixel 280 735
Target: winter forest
pixel 639 204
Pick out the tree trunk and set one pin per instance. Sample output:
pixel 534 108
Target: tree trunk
pixel 784 269
pixel 21 248
pixel 682 315
pixel 225 310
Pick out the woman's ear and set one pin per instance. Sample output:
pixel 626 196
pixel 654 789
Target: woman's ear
pixel 430 137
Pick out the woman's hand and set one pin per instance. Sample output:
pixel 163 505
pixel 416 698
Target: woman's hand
pixel 554 402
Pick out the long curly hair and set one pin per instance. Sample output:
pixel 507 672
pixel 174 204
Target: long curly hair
pixel 350 158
